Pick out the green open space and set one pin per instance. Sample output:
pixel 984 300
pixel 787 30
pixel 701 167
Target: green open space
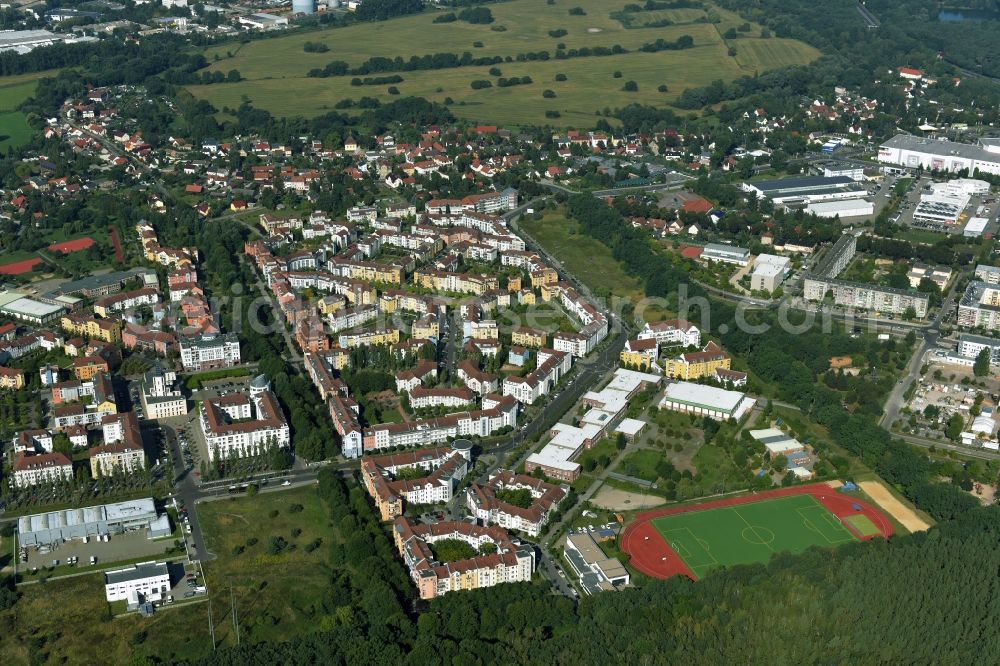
pixel 273 68
pixel 587 259
pixel 749 533
pixel 276 594
pixel 642 464
pixel 14 129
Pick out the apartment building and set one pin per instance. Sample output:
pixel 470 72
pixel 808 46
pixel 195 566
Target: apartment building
pixel 344 412
pixel 510 562
pixel 424 432
pixel 161 397
pixel 208 351
pixel 239 424
pixel 475 379
pixel 11 378
pixel 86 326
pixel 462 283
pixel 528 337
pixel 885 300
pixel 421 397
pixel 122 448
pixel 379 336
pixel 695 365
pixel 126 300
pixel 979 306
pixel 640 354
pixel 31 470
pixel 671 333
pixel 488 503
pixel 444 468
pixel 552 365
pixel 427 326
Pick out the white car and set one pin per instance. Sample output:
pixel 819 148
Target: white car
pixel 287 483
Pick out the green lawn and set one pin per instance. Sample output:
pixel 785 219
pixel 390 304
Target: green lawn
pixel 587 259
pixel 273 67
pixel 14 130
pixel 749 533
pixel 642 464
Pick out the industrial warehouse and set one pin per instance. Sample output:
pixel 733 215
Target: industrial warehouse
pixel 806 190
pixel 44 529
pixel 939 155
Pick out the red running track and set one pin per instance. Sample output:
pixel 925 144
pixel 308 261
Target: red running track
pixel 117 243
pixel 651 555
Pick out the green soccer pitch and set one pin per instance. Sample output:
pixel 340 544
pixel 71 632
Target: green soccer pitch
pixel 751 532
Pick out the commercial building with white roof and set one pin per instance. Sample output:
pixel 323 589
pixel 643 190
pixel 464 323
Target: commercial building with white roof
pixel 142 582
pixel 58 526
pixel 776 442
pixel 705 400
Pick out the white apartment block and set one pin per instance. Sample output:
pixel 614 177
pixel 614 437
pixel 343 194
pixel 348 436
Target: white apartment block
pixel 210 351
pixel 238 425
pixel 673 332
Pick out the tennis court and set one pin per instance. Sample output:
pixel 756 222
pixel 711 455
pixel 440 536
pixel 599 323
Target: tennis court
pixel 752 532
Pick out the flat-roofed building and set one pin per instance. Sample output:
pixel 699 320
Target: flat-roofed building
pixel 769 271
pixel 979 306
pixel 937 155
pixel 726 254
pixel 886 300
pixel 597 571
pixel 209 351
pixel 146 581
pixel 805 189
pixel 719 404
pixel 836 258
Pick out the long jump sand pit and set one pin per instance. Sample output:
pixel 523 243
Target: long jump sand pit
pixel 614 499
pixel 885 499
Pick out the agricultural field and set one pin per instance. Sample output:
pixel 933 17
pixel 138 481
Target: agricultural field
pixel 275 69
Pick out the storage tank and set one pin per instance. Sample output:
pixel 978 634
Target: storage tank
pixel 303 6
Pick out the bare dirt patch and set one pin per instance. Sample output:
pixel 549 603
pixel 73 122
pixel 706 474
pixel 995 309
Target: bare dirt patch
pixel 614 499
pixel 888 502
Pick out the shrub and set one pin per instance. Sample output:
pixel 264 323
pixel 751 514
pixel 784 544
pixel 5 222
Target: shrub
pixel 553 114
pixel 393 90
pixel 238 550
pixel 273 513
pixel 296 531
pixel 630 86
pixel 662 88
pixel 477 45
pixel 548 94
pixel 559 32
pixel 295 508
pixel 252 541
pixel 617 74
pixel 479 84
pixel 560 77
pixel 577 11
pixel 445 18
pixel 495 71
pixel 315 47
pixel 478 15
pixel 276 545
pixel 313 545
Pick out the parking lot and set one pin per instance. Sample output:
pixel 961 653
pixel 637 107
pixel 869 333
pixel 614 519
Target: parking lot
pixel 118 548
